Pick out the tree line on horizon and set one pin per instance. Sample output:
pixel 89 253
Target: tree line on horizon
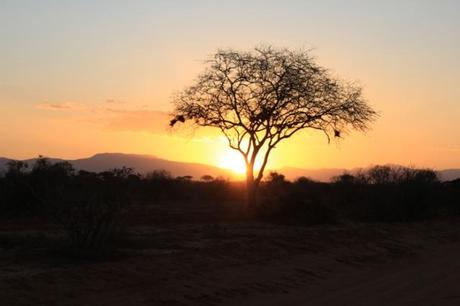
pixel 25 190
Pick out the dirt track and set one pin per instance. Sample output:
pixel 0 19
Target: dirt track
pixel 248 264
pixel 432 278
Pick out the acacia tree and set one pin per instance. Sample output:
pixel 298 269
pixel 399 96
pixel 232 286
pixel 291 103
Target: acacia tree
pixel 261 97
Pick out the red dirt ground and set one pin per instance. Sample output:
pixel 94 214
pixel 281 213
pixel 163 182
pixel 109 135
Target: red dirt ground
pixel 241 264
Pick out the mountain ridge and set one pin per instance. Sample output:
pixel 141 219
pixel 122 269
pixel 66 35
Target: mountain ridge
pixel 140 163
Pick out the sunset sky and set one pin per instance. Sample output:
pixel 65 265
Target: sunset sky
pixel 83 77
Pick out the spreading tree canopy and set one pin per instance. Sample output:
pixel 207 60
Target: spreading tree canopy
pixel 261 97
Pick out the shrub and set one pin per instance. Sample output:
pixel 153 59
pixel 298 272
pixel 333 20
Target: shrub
pixel 90 213
pixel 303 202
pixel 18 195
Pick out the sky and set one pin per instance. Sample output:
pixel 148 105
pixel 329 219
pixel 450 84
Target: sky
pixel 83 77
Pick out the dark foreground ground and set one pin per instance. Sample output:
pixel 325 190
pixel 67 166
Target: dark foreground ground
pixel 238 263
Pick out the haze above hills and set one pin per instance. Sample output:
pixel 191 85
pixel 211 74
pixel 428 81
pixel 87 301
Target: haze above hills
pixel 147 163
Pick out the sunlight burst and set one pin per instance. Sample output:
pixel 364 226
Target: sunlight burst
pixel 232 160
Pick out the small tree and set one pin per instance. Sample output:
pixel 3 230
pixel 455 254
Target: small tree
pixel 259 98
pixel 207 178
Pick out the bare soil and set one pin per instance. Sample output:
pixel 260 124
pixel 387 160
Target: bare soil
pixel 242 263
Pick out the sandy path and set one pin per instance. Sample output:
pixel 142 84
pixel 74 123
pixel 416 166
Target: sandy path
pixel 433 278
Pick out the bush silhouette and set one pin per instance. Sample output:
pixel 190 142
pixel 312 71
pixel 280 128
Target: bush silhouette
pixel 91 211
pixel 91 207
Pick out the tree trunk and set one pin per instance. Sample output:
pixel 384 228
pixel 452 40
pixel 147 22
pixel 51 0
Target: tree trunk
pixel 251 189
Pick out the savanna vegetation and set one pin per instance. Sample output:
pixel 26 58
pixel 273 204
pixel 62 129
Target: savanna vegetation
pixel 94 209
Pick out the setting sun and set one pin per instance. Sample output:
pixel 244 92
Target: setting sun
pixel 232 160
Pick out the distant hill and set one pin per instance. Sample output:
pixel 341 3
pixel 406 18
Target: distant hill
pixel 449 174
pixel 141 163
pixel 146 163
pixel 323 175
pixel 3 162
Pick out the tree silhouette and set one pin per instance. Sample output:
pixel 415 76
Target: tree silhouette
pixel 261 97
pixel 207 178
